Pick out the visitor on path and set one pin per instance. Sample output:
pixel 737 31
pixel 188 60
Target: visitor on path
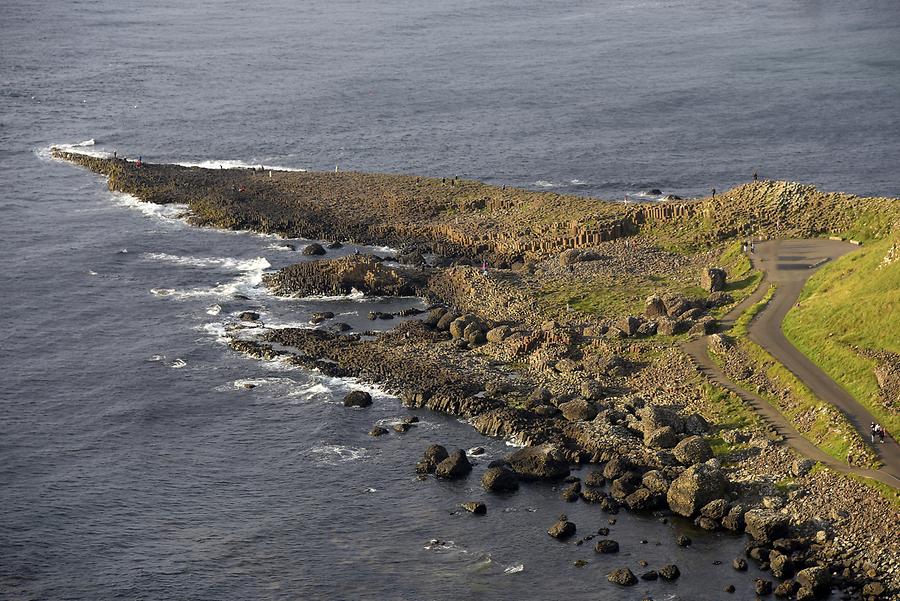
pixel 881 433
pixel 744 247
pixel 755 177
pixel 484 268
pixel 874 429
pixel 713 192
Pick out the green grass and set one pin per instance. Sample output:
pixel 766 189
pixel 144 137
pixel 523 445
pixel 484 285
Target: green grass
pixel 727 409
pixel 853 302
pixel 739 330
pixel 610 297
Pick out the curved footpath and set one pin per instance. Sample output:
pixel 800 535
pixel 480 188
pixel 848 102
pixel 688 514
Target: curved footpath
pixel 789 264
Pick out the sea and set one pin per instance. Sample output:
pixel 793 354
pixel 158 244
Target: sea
pixel 141 458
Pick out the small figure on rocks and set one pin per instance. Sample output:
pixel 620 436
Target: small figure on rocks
pixel 755 175
pixel 484 268
pixel 874 431
pixel 713 192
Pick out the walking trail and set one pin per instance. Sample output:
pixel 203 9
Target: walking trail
pixel 789 264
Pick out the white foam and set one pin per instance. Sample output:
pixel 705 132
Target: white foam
pixel 213 310
pixel 46 152
pixel 577 182
pixel 235 164
pixel 542 183
pixel 514 569
pixel 254 264
pixel 178 363
pixel 330 454
pixel 355 296
pixel 174 212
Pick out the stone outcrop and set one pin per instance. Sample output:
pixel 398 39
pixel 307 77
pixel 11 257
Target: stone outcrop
pixel 344 275
pixel 696 487
pixel 538 463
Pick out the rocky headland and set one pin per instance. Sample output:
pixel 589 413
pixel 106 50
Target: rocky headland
pixel 568 343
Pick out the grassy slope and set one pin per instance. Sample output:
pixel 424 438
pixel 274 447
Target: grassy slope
pixel 851 302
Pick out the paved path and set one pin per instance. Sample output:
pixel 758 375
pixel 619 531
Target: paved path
pixel 789 263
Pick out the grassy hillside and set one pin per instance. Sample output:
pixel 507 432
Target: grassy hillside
pixel 852 303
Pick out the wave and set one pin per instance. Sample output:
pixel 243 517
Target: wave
pixel 514 569
pixel 254 264
pixel 45 152
pixel 330 454
pixel 236 164
pixel 542 183
pixel 355 296
pixel 173 212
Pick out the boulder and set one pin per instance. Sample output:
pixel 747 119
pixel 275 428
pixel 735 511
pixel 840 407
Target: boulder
pixel 335 245
pixel 411 258
pixel 780 565
pixel 591 390
pixel 874 589
pixel 578 410
pixel 378 431
pixel 801 467
pixel 655 482
pixel 765 525
pixel 606 546
pixel 695 424
pixel 434 316
pixel 590 494
pixel 453 467
pixel 498 334
pixel 433 456
pixel 641 499
pixel 695 488
pixel 358 398
pixel 650 575
pixel 622 576
pixel 718 299
pixel 314 249
pixel 629 325
pixel 661 438
pixel 654 417
pixel 817 579
pixel 624 486
pixel 734 521
pixel 595 478
pixel 249 316
pixel 499 479
pixel 762 586
pixel 571 493
pixel 715 510
pixel 476 507
pixel 562 529
pixel 739 564
pixel 693 450
pixel 540 394
pixel 713 279
pixel 647 329
pixel 669 572
pixel 448 318
pixel 654 307
pixel 538 463
pixel 616 468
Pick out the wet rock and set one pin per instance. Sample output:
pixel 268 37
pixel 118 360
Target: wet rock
pixel 739 564
pixel 730 588
pixel 476 507
pixel 695 488
pixel 641 499
pixel 413 258
pixel 319 316
pixel 650 575
pixel 476 451
pixel 335 245
pixel 314 249
pixel 562 529
pixel 538 463
pixel 622 576
pixel 662 438
pixel 500 479
pixel 358 398
pixel 454 467
pixel 249 316
pixel 378 431
pixel 780 565
pixel 683 541
pixel 786 589
pixel 624 486
pixel 693 450
pixel 592 495
pixel 606 546
pixel 616 468
pixel 669 572
pixel 734 521
pixel 762 586
pixel 571 493
pixel 578 410
pixel 402 428
pixel 432 457
pixel 595 478
pixel 338 327
pixel 706 523
pixel 579 563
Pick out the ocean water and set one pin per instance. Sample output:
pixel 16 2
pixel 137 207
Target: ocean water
pixel 135 464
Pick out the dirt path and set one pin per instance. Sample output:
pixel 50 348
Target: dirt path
pixel 790 263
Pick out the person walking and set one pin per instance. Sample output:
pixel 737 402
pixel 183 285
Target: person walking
pixel 874 430
pixel 881 434
pixel 484 267
pixel 755 176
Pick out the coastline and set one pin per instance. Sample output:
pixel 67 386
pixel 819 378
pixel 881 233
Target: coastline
pixel 473 377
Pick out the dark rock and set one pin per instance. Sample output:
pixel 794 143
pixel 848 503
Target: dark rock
pixel 578 410
pixel 713 279
pixel 654 191
pixel 695 424
pixel 249 316
pixel 693 450
pixel 476 507
pixel 434 316
pixel 378 431
pixel 651 575
pixel 655 482
pixel 432 457
pixel 683 541
pixel 624 486
pixel 622 576
pixel 801 467
pixel 322 315
pixel 562 529
pixel 476 451
pixel 739 564
pixel 669 572
pixel 661 438
pixel 402 427
pixel 718 299
pixel 817 579
pixel 571 493
pixel 641 499
pixel 592 390
pixel 595 478
pixel 762 586
pixel 538 463
pixel 765 525
pixel 443 324
pixel 654 417
pixel 706 523
pixel 500 479
pixel 338 327
pixel 579 563
pixel 455 466
pixel 730 588
pixel 780 565
pixel 715 510
pixel 606 546
pixel 358 398
pixel 498 334
pixel 629 325
pixel 314 249
pixel 786 588
pixel 873 590
pixel 616 468
pixel 335 245
pixel 591 494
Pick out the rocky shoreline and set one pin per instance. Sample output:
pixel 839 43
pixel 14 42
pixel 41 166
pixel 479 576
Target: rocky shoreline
pixel 609 389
